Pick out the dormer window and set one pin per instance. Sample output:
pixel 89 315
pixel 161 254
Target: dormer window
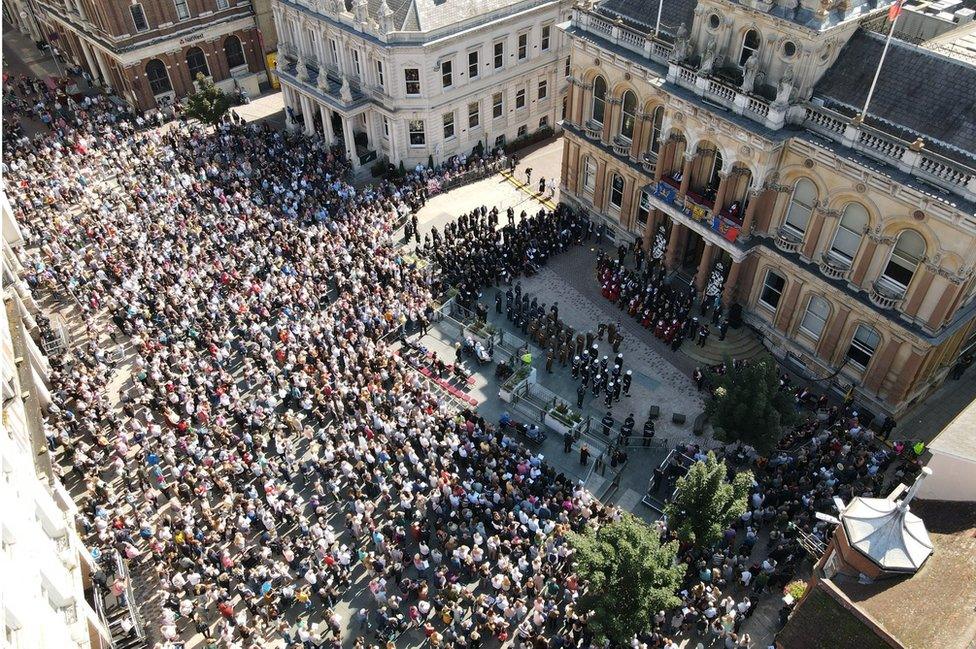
pixel 750 46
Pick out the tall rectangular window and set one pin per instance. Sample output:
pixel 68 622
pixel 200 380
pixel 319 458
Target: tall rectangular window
pixel 772 290
pixel 566 71
pixel 473 65
pixel 334 50
pixel 386 128
pixel 182 9
pixel 474 115
pixel 412 78
pixel 617 191
pixel 223 4
pixel 380 79
pixel 499 54
pixel 139 18
pixel 448 125
pixel 543 89
pixel 544 45
pixel 523 46
pixel 863 345
pixel 815 317
pixel 447 74
pixel 520 99
pixel 357 69
pixel 418 137
pixel 497 106
pixel 589 175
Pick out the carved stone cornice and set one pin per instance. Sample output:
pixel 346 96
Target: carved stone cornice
pixel 934 266
pixel 613 101
pixel 876 236
pixel 828 213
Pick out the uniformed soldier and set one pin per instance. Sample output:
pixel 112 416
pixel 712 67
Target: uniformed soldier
pixel 576 366
pixel 597 383
pixel 549 358
pixel 563 353
pixel 498 301
pixel 648 432
pixel 604 362
pixel 580 343
pixel 616 342
pixel 600 330
pixel 589 339
pixel 616 391
pixel 580 394
pixel 609 393
pixel 607 422
pixel 533 327
pixel 611 333
pixel 628 377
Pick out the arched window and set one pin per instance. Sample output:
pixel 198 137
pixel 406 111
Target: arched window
pixel 907 254
pixel 815 317
pixel 657 124
pixel 196 61
pixel 863 345
pixel 628 115
pixel 599 99
pixel 234 52
pixel 617 191
pixel 750 45
pixel 802 200
pixel 157 77
pixel 847 238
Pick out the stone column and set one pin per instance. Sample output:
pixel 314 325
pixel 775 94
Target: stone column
pixel 730 290
pixel 307 115
pixel 686 174
pixel 920 287
pixel 750 214
pixel 582 91
pixel 599 189
pixel 103 66
pixel 943 307
pixel 723 188
pixel 635 144
pixel 89 58
pixel 571 102
pixel 814 229
pixel 704 266
pixel 674 246
pixel 350 142
pixel 626 206
pixel 329 134
pixel 874 379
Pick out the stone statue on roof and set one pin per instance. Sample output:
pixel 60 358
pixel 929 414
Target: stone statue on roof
pixel 385 18
pixel 749 73
pixel 785 87
pixel 680 51
pixel 708 59
pixel 345 92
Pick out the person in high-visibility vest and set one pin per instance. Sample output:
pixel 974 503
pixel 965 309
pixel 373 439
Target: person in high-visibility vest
pixel 527 358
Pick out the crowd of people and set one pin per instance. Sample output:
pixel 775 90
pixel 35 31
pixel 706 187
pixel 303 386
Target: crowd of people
pixel 271 464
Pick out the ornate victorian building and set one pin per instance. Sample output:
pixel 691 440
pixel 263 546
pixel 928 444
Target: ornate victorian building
pixel 732 140
pixel 150 51
pixel 417 79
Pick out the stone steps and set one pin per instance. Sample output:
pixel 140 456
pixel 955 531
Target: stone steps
pixel 739 344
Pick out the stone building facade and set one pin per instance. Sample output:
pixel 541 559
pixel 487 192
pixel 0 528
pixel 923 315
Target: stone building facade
pixel 412 80
pixel 150 51
pixel 734 137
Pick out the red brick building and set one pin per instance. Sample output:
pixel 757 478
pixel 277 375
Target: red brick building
pixel 150 51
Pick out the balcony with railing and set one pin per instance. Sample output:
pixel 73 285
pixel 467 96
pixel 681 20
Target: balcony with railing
pixel 909 157
pixel 885 294
pixel 787 240
pixel 621 146
pixel 593 129
pixel 622 35
pixel 833 266
pixel 697 212
pixel 649 162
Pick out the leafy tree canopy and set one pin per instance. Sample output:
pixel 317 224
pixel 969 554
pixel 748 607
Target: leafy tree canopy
pixel 705 503
pixel 748 405
pixel 209 103
pixel 629 574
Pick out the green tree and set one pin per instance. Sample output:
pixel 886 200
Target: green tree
pixel 629 575
pixel 705 503
pixel 748 405
pixel 209 103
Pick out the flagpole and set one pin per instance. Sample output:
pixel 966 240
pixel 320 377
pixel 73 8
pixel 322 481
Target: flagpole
pixel 657 25
pixel 896 9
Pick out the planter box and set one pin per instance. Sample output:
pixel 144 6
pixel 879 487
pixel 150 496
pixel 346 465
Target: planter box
pixel 556 424
pixel 506 390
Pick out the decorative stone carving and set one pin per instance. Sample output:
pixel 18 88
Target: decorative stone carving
pixel 876 236
pixel 322 83
pixel 785 87
pixel 749 73
pixel 385 18
pixel 680 51
pixel 660 243
pixel 716 281
pixel 345 92
pixel 708 59
pixel 359 10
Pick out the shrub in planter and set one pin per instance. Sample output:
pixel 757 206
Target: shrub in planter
pixel 796 589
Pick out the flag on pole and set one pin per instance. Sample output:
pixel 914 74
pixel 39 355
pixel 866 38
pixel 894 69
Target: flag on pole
pixel 894 11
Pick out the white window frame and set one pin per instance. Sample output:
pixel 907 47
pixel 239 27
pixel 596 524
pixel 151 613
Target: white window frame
pixel 498 58
pixel 356 65
pixel 619 204
pixel 223 4
pixel 380 78
pixel 447 78
pixel 523 130
pixel 447 120
pixel 520 98
pixel 412 131
pixel 185 13
pixel 498 105
pixel 862 346
pixel 386 127
pixel 407 82
pixel 847 231
pixel 546 36
pixel 813 323
pixel 475 114
pixel 898 258
pixel 745 51
pixel 589 175
pixel 142 12
pixel 778 291
pixel 793 202
pixel 543 89
pixel 657 128
pixel 522 46
pixel 602 101
pixel 624 115
pixel 334 51
pixel 544 121
pixel 474 67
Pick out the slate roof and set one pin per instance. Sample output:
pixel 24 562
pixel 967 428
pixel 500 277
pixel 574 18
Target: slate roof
pixel 642 14
pixel 919 92
pixel 429 15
